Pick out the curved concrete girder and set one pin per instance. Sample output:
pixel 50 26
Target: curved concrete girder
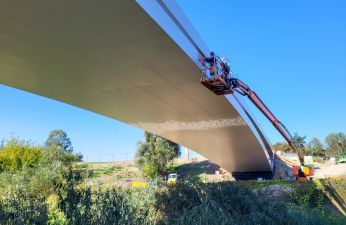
pixel 111 58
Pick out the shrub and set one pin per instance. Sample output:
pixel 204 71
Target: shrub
pixel 16 154
pixel 154 155
pixel 184 203
pixel 18 207
pixel 149 171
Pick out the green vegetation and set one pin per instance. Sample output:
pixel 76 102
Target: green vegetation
pixel 297 139
pixel 335 145
pixel 185 203
pixel 41 188
pixel 29 176
pixel 154 155
pixel 59 147
pixel 105 171
pixel 16 155
pixel 174 167
pixel 315 148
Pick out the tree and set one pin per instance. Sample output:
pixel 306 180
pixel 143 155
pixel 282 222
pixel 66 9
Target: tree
pixel 336 144
pixel 282 147
pixel 154 154
pixel 285 147
pixel 58 139
pixel 299 141
pixel 59 147
pixel 315 148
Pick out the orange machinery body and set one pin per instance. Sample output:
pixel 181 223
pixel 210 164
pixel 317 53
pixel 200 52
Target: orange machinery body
pixel 306 171
pixel 304 174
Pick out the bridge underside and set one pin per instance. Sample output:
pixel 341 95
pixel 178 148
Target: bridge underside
pixel 112 58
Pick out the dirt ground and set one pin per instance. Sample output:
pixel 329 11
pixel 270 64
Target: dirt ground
pixel 330 170
pixel 324 169
pixel 202 168
pixel 109 174
pixel 208 169
pixel 122 173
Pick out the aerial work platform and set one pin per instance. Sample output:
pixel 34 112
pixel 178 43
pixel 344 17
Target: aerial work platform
pixel 218 79
pixel 216 84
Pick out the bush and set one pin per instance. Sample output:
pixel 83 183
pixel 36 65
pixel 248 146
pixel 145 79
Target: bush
pixel 154 155
pixel 149 171
pixel 184 203
pixel 235 204
pixel 19 207
pixel 17 154
pixel 41 190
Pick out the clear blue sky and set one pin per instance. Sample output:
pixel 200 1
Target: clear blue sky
pixel 292 53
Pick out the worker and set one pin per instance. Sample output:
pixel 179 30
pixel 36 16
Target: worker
pixel 226 73
pixel 211 60
pixel 226 70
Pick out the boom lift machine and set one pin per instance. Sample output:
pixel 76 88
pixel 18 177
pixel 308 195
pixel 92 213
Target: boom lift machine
pixel 222 84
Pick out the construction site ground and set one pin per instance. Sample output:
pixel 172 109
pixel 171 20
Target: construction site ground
pixel 101 175
pixel 322 169
pixel 108 174
pixel 325 170
pixel 122 173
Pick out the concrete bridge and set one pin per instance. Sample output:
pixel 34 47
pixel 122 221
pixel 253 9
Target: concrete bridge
pixel 134 61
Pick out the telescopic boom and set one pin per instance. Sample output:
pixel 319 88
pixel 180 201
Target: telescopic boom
pixel 220 84
pixel 243 89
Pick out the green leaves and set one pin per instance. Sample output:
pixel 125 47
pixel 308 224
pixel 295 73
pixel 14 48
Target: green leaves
pixel 336 144
pixel 282 147
pixel 299 141
pixel 58 139
pixel 17 154
pixel 59 147
pixel 154 155
pixel 315 148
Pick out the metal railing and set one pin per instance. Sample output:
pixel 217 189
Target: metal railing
pixel 217 67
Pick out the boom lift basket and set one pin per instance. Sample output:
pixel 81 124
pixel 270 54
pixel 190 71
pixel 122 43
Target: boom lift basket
pixel 216 84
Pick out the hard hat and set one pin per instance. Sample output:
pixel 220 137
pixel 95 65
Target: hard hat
pixel 212 53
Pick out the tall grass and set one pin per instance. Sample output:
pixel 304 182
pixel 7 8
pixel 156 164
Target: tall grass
pixel 184 203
